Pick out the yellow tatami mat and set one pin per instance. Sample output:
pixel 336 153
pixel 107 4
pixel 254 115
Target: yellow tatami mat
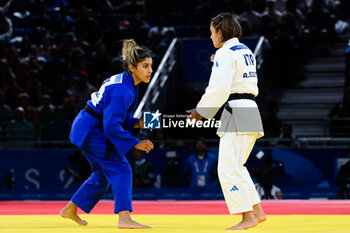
pixel 175 224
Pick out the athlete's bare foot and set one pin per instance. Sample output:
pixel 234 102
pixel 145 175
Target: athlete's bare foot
pixel 249 220
pixel 131 224
pixel 259 213
pixel 70 211
pixel 125 222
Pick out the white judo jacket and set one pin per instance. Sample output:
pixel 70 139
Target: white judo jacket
pixel 233 71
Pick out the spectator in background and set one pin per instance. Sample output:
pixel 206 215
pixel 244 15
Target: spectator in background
pixel 5 110
pixel 267 29
pixel 111 35
pixel 143 171
pixel 276 192
pixel 59 91
pixel 231 6
pixel 172 176
pixel 31 112
pixel 92 37
pixel 21 8
pixel 8 181
pixel 5 72
pixel 12 57
pixel 82 89
pixel 339 123
pixel 65 23
pixel 273 14
pixel 45 47
pixel 34 61
pixel 127 7
pixel 5 26
pixel 319 26
pixel 342 110
pixel 76 62
pixel 11 93
pixel 69 107
pixel 252 18
pixel 116 66
pixel 54 69
pixel 46 114
pixel 160 138
pixel 33 88
pixel 280 5
pixel 25 46
pixel 59 128
pixel 41 19
pixel 265 173
pixel 133 7
pixel 272 125
pixel 19 128
pixel 68 44
pixel 112 7
pixel 201 166
pixel 159 33
pixel 285 55
pixel 343 179
pixel 22 70
pixel 138 28
pixel 206 6
pixel 291 7
pixel 287 137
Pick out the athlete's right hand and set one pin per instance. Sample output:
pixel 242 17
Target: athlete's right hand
pixel 212 57
pixel 145 145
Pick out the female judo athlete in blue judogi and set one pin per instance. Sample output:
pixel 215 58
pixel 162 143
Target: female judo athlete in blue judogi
pixel 103 132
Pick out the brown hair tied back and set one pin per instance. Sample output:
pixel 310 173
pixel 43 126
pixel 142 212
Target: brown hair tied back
pixel 132 53
pixel 228 24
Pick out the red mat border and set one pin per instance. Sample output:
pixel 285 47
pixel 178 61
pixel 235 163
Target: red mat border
pixel 271 207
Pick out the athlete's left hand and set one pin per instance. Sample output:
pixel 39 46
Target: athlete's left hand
pixel 193 115
pixel 139 124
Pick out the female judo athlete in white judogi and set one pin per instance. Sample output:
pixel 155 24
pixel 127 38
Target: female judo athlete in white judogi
pixel 233 84
pixel 103 132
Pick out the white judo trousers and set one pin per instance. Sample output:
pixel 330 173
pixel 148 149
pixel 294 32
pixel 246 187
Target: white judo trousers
pixel 238 188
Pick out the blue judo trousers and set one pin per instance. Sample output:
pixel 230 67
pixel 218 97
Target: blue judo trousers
pixel 110 125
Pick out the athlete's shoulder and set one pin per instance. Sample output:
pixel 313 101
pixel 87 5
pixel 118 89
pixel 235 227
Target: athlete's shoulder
pixel 223 53
pixel 114 79
pixel 237 47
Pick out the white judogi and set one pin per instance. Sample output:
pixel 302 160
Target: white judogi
pixel 234 71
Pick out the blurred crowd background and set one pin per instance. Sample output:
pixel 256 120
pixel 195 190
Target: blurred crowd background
pixel 54 54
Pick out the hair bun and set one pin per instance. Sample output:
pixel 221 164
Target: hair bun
pixel 132 53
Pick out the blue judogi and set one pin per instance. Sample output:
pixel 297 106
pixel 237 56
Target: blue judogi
pixel 113 103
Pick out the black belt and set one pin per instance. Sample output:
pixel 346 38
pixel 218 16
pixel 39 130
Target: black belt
pixel 99 117
pixel 92 112
pixel 238 96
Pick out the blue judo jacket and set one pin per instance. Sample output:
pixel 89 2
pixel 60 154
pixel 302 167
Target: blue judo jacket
pixel 114 101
